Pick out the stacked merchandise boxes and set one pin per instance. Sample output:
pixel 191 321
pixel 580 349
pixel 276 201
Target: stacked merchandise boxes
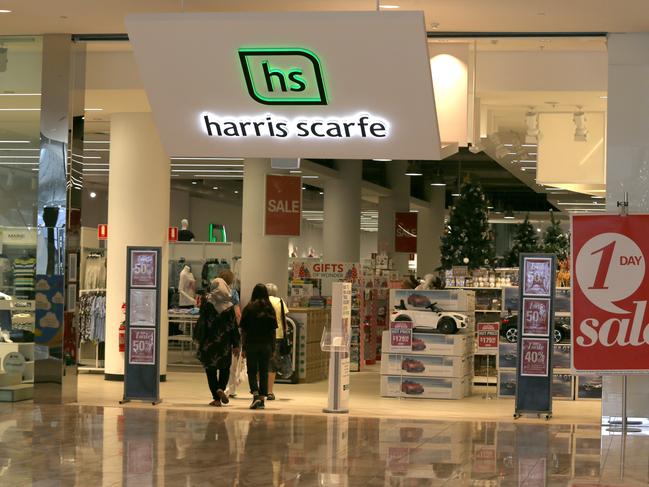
pixel 428 364
pixel 313 363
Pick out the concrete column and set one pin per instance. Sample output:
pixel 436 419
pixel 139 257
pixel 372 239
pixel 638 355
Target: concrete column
pixel 399 200
pixel 138 214
pixel 263 259
pixel 627 171
pixel 430 227
pixel 342 213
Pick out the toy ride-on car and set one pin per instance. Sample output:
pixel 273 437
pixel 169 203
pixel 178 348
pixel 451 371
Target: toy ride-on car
pixel 432 319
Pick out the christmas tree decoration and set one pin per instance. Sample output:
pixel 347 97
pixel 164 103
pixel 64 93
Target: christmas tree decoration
pixel 555 241
pixel 467 237
pixel 525 241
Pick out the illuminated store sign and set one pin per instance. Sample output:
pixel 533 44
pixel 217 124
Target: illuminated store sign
pixel 283 76
pixel 361 125
pixel 325 85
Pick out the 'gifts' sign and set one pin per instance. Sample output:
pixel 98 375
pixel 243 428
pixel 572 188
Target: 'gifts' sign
pixel 283 205
pixel 610 292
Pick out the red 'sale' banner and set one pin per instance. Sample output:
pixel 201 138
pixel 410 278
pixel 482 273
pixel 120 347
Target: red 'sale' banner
pixel 405 232
pixel 283 205
pixel 610 333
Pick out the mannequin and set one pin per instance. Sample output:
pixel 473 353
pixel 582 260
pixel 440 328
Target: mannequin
pixel 187 288
pixel 185 234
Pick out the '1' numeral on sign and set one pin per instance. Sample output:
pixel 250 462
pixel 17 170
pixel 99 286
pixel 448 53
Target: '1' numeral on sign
pixel 604 265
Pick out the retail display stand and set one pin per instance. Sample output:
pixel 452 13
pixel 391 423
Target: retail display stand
pixel 336 341
pixel 535 335
pixel 428 365
pixel 142 354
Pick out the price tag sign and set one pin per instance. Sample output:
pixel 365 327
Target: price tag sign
pixel 401 336
pixel 142 346
pixel 534 357
pixel 143 268
pixel 488 337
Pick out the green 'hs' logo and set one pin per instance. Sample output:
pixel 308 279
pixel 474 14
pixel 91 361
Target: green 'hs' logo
pixel 283 76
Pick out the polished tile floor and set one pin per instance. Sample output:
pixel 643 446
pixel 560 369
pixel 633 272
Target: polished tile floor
pixel 95 446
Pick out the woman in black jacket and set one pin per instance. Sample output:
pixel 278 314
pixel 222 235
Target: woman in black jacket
pixel 218 339
pixel 258 325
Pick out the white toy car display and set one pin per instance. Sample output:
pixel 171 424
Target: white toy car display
pixel 432 319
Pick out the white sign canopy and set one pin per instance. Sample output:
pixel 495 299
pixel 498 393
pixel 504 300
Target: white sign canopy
pixel 337 85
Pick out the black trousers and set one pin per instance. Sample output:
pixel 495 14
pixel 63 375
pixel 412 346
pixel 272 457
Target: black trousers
pixel 217 379
pixel 257 361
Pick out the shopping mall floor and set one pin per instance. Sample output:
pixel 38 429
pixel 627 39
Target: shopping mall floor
pixel 183 442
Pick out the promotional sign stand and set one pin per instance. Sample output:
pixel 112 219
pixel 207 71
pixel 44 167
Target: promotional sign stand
pixel 536 335
pixel 488 334
pixel 142 354
pixel 337 342
pixel 624 211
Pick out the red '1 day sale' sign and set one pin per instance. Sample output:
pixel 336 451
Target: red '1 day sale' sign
pixel 610 292
pixel 283 205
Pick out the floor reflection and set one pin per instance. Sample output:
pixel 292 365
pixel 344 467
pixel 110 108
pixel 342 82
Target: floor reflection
pixel 94 446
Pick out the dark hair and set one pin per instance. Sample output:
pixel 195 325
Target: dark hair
pixel 228 276
pixel 260 293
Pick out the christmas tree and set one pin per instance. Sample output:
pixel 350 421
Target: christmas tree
pixel 525 241
pixel 467 239
pixel 555 241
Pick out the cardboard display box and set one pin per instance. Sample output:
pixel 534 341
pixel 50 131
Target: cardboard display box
pixel 426 366
pixel 460 344
pixel 447 299
pixel 426 387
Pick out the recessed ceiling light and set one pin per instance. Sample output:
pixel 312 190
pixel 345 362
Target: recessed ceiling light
pixel 194 182
pixel 382 160
pixel 321 192
pixel 93 194
pixel 215 187
pixel 236 191
pixel 603 97
pixel 455 194
pixel 389 7
pixel 93 109
pixel 5 11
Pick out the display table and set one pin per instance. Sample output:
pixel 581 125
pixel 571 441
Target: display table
pixel 313 363
pixel 186 322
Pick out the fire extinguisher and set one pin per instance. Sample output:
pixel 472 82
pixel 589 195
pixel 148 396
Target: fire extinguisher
pixel 122 337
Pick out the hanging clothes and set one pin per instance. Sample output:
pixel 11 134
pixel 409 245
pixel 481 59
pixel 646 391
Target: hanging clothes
pixel 92 317
pixel 211 270
pixel 24 277
pixel 95 274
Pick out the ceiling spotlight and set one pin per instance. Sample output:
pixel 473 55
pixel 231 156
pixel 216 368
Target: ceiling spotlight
pixel 215 187
pixel 194 182
pixel 413 170
pixel 509 215
pixel 93 194
pixel 532 122
pixel 581 131
pixel 321 192
pixel 236 191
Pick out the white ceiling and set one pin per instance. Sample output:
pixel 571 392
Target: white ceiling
pixel 100 16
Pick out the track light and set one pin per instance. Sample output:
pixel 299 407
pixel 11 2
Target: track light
pixel 581 131
pixel 413 169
